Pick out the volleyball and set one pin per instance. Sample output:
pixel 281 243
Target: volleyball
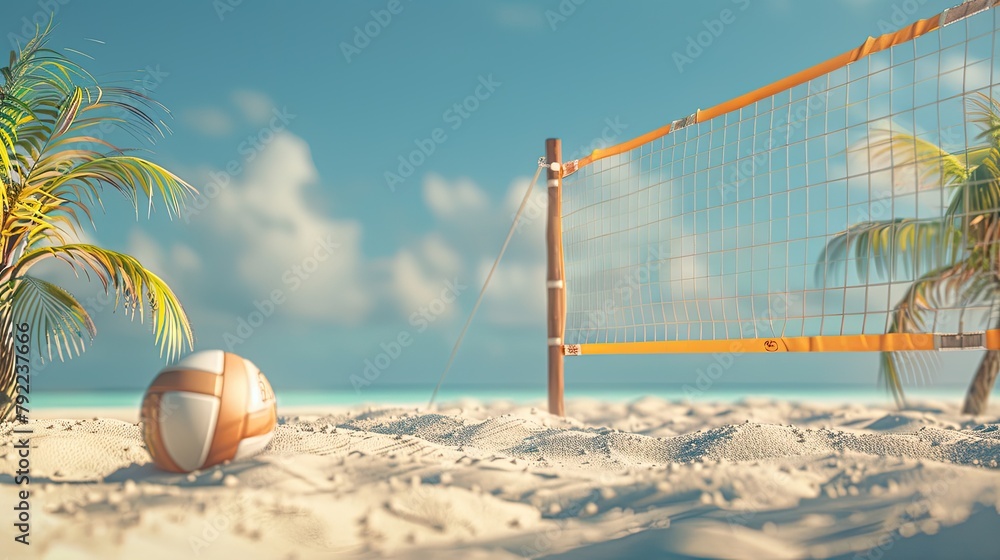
pixel 210 407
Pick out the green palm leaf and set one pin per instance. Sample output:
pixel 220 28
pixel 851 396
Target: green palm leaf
pixel 985 111
pixel 957 255
pixel 135 287
pixel 934 167
pixel 130 175
pixel 53 315
pixel 904 242
pixel 54 166
pixel 959 284
pixel 36 79
pixel 976 198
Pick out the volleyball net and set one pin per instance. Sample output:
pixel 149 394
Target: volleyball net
pixel 853 206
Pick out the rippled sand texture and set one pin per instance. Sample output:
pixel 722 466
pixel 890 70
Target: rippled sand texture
pixel 650 479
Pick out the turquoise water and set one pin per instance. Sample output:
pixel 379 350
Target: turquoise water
pixel 419 396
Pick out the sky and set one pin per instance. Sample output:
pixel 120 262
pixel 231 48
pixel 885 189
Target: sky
pixel 291 119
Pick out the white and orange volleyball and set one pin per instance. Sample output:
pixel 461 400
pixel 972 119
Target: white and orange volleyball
pixel 210 407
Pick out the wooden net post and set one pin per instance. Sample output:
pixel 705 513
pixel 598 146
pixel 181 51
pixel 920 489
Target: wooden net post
pixel 556 286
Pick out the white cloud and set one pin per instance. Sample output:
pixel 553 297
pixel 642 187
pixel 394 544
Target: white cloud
pixel 416 282
pixel 439 254
pixel 454 200
pixel 519 16
pixel 516 295
pixel 186 257
pixel 255 106
pixel 209 121
pixel 270 220
pixel 179 260
pixel 420 272
pixel 265 226
pixel 469 232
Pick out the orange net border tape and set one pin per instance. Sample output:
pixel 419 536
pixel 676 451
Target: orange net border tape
pixel 870 46
pixel 896 342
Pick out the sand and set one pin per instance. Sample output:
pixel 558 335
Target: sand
pixel 646 479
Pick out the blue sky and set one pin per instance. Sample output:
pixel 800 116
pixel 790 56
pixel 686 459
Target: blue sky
pixel 311 118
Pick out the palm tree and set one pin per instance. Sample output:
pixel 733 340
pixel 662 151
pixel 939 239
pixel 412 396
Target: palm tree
pixel 54 165
pixel 956 257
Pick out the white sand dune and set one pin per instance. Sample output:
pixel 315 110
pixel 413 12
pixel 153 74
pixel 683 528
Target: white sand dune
pixel 647 479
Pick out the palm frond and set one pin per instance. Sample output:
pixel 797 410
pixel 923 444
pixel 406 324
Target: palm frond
pixel 35 79
pixel 920 245
pixel 55 163
pixel 65 170
pixel 42 219
pixel 959 285
pixel 134 286
pixel 933 166
pixel 54 316
pixel 976 198
pixel 134 177
pixel 895 368
pixel 985 111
